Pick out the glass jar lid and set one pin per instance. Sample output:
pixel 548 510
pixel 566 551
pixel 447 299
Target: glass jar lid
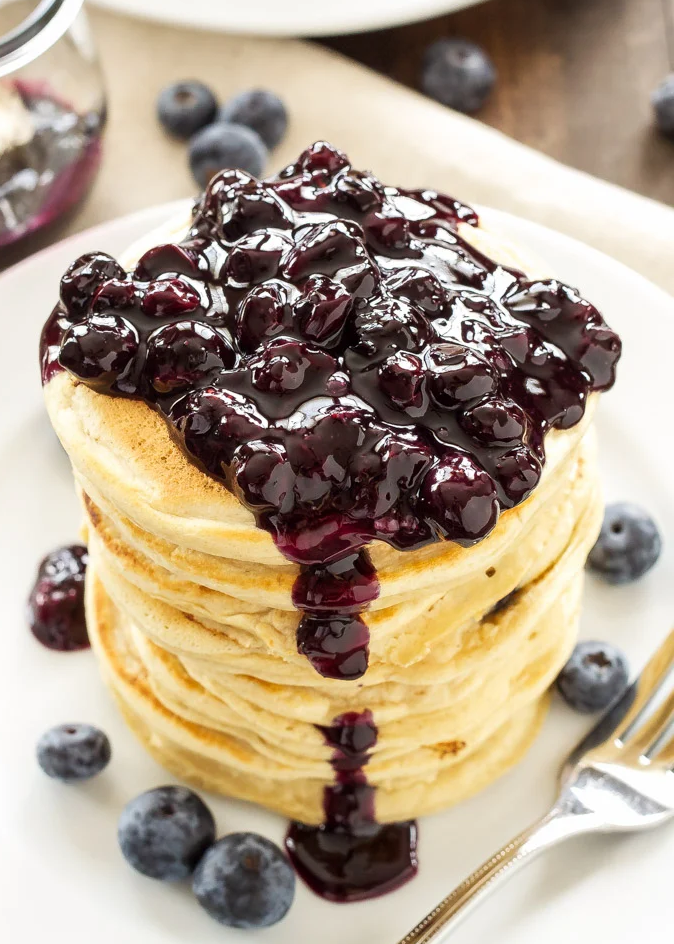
pixel 44 26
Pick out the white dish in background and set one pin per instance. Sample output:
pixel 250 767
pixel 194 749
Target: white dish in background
pixel 293 18
pixel 62 877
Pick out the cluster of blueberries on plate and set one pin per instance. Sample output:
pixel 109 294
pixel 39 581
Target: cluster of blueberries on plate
pixel 243 880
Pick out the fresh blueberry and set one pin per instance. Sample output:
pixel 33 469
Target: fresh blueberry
pixel 458 73
pixel 662 100
pixel 595 675
pixel 72 752
pixel 164 832
pixel 185 107
pixel 220 145
pixel 260 110
pixel 628 545
pixel 245 881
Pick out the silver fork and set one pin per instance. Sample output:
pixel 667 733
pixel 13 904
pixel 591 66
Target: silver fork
pixel 620 778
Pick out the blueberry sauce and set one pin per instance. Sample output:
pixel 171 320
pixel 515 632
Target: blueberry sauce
pixel 351 857
pixel 339 356
pixel 47 175
pixel 336 646
pixel 331 634
pixel 56 602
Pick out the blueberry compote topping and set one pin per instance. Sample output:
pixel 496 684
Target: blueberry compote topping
pixel 337 354
pixel 350 856
pixel 56 602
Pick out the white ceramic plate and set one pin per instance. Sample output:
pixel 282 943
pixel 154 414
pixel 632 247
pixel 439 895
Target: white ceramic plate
pixel 62 878
pixel 292 18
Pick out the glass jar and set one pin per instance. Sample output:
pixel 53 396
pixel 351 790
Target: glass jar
pixel 52 113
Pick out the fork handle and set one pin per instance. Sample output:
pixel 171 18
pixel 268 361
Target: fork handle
pixel 557 825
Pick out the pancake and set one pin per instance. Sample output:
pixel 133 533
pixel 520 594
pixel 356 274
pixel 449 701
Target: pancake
pixel 192 600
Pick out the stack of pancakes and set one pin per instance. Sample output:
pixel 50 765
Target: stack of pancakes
pixel 190 613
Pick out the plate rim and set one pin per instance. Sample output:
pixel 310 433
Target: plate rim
pixel 196 16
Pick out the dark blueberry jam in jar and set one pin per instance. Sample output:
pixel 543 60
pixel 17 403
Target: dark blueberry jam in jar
pixel 52 114
pixel 337 353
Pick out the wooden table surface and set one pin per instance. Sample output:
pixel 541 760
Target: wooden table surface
pixel 575 78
